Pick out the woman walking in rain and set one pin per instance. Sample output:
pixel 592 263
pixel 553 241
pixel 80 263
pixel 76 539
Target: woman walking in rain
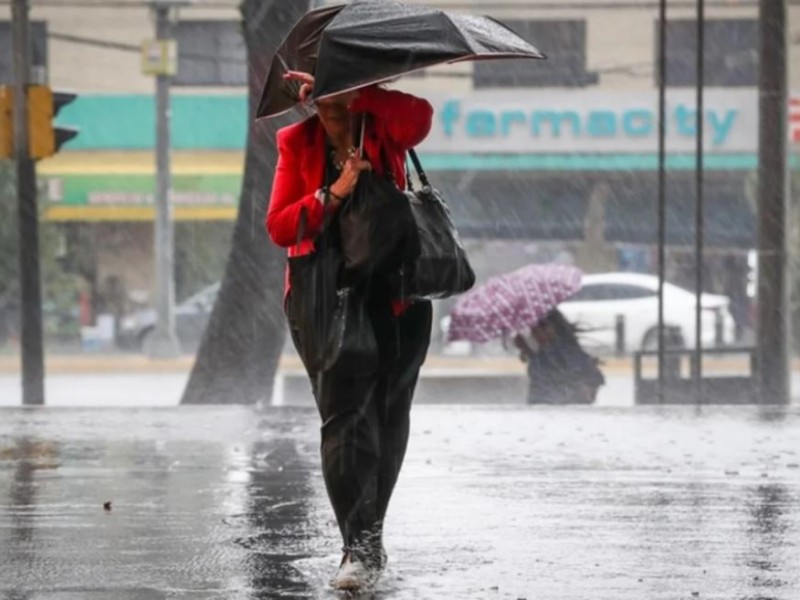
pixel 364 413
pixel 560 371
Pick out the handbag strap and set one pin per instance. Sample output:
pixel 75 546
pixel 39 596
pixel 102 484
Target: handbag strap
pixel 423 178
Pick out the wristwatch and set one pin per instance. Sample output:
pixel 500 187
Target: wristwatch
pixel 325 190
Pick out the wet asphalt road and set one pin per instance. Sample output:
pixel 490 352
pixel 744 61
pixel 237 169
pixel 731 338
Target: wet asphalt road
pixel 504 502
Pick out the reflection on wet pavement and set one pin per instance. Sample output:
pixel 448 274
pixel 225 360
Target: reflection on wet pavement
pixel 503 502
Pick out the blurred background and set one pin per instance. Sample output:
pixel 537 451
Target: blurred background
pixel 541 161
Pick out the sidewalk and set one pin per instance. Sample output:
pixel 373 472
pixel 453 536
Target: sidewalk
pixel 290 364
pixel 135 380
pixel 505 503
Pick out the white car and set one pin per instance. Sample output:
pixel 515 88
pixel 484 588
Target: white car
pixel 191 318
pixel 634 296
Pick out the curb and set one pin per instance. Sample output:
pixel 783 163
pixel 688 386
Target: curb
pixel 290 365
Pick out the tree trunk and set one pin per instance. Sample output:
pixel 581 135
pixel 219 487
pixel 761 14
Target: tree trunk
pixel 241 347
pixel 596 254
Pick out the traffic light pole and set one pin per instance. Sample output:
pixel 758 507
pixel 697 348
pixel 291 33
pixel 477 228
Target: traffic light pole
pixel 164 343
pixel 32 348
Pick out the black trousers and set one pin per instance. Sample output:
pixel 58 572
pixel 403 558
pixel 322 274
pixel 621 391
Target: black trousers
pixel 365 420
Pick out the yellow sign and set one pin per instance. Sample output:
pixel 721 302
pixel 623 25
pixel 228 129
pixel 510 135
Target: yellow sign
pixel 159 57
pixel 118 214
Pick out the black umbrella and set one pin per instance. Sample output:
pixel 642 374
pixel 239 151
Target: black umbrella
pixel 298 52
pixel 371 41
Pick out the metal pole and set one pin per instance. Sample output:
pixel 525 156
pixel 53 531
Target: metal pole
pixel 164 343
pixel 32 346
pixel 773 291
pixel 698 216
pixel 619 334
pixel 662 211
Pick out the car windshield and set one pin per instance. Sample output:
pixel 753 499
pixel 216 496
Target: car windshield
pixel 611 291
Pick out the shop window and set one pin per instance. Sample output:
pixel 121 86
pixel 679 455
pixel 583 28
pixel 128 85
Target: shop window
pixel 564 43
pixel 39 54
pixel 210 53
pixel 731 53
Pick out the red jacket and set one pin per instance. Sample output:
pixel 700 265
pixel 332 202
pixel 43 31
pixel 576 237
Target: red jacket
pixel 401 121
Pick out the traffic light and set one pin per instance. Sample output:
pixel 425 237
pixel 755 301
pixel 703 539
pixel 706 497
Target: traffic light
pixel 45 138
pixel 43 106
pixel 6 127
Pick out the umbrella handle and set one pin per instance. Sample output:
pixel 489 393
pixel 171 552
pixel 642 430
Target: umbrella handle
pixel 361 135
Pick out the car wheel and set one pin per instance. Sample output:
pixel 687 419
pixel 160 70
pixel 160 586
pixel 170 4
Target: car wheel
pixel 672 338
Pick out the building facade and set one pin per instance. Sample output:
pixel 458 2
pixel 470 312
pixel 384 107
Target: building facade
pixel 544 157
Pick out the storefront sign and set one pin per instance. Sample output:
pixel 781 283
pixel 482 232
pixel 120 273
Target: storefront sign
pixel 534 122
pixel 589 121
pixel 103 197
pixel 794 120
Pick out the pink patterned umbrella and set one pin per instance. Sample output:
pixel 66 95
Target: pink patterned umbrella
pixel 512 303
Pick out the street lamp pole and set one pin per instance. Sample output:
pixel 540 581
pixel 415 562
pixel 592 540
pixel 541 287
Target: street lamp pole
pixel 773 289
pixel 164 341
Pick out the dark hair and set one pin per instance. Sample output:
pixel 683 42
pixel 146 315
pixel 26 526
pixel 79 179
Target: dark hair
pixel 568 332
pixel 563 327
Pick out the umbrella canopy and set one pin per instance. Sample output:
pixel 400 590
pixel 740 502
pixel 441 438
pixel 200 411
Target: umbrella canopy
pixel 297 52
pixel 512 303
pixel 372 41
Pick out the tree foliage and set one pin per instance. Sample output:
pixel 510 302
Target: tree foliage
pixel 59 286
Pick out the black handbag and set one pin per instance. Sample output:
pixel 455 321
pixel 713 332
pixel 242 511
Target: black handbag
pixel 377 227
pixel 442 268
pixel 328 323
